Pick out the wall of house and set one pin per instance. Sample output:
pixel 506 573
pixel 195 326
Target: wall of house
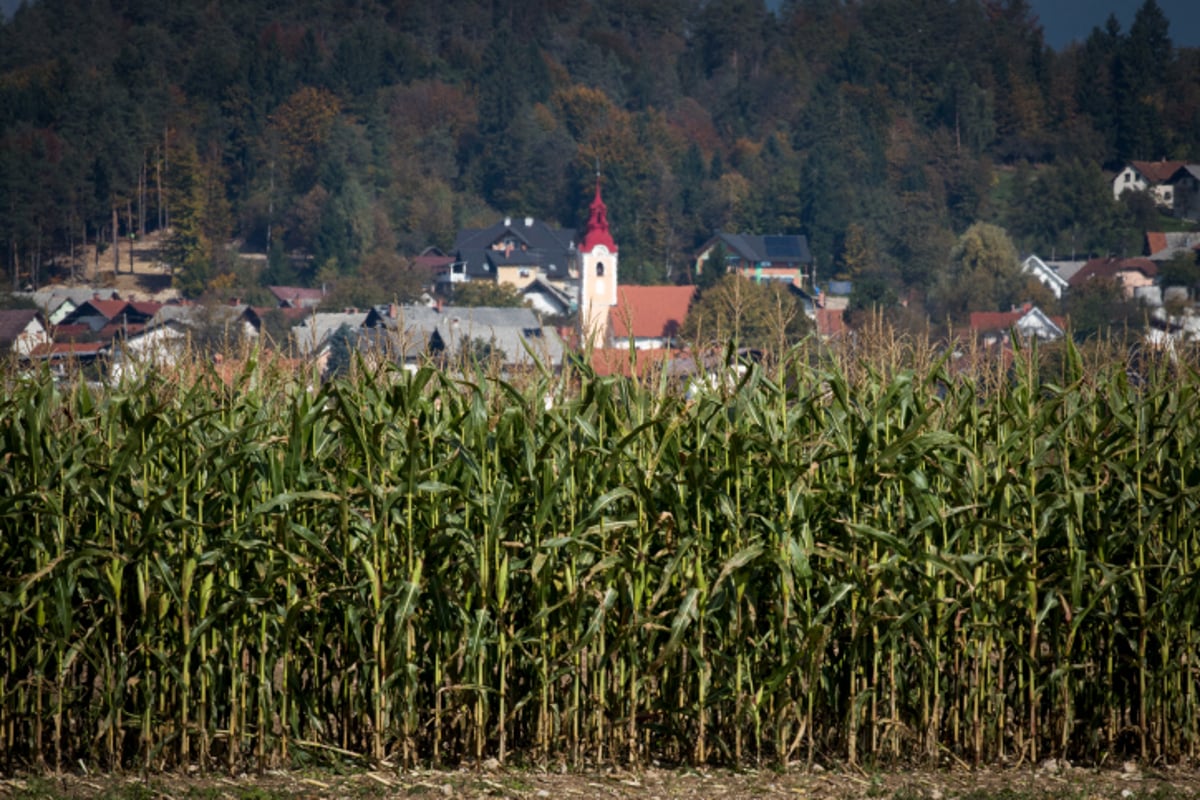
pixel 788 274
pixel 1046 277
pixel 30 338
pixel 516 277
pixel 1132 280
pixel 1128 180
pixel 657 343
pixel 1187 197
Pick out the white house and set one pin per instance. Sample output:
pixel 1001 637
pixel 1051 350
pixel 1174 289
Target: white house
pixel 21 330
pixel 1047 275
pixel 1148 176
pixel 168 334
pixel 1029 322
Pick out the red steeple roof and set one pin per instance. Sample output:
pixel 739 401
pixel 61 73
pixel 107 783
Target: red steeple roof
pixel 596 231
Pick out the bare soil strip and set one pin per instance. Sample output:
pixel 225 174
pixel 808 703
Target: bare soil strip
pixel 1051 780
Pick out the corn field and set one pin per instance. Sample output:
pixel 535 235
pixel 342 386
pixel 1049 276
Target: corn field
pixel 846 562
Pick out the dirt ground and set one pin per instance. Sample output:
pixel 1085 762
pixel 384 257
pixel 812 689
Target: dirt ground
pixel 1051 780
pixel 141 277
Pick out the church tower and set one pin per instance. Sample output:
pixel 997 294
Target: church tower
pixel 597 275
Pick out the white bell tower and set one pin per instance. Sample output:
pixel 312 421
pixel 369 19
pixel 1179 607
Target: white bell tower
pixel 597 275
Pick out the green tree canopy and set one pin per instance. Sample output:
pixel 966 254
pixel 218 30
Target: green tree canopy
pixel 1100 308
pixel 486 293
pixel 765 316
pixel 983 274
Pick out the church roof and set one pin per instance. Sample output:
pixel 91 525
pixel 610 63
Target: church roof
pixel 596 231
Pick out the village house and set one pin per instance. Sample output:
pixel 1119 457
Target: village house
pixel 56 302
pixel 1045 274
pixel 1148 176
pixel 649 317
pixel 167 337
pixel 297 296
pixel 784 258
pixel 106 319
pixel 513 253
pixel 22 331
pixel 1136 276
pixel 556 272
pixel 1029 322
pixel 1163 246
pixel 1185 186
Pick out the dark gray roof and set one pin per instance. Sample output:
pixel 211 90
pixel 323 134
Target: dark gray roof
pixel 419 330
pixel 314 332
pixel 534 243
pixel 778 250
pixel 13 323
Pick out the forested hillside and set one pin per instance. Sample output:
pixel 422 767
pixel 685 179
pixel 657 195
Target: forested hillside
pixel 354 134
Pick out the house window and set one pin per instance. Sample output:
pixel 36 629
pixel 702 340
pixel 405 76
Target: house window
pixel 1128 177
pixel 523 273
pixel 599 269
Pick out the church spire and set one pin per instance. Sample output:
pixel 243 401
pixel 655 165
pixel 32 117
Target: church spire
pixel 596 231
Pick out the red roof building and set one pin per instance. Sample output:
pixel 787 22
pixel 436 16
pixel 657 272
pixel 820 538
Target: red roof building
pixel 652 316
pixel 1131 273
pixel 1029 321
pixel 296 296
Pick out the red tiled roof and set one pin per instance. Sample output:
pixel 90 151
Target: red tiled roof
pixel 1003 320
pixel 432 262
pixel 1156 242
pixel 1111 267
pixel 994 320
pixel 147 307
pixel 65 349
pixel 78 330
pixel 648 312
pixel 1157 171
pixel 108 308
pixel 119 328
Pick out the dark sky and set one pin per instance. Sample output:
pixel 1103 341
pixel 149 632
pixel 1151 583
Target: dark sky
pixel 1065 21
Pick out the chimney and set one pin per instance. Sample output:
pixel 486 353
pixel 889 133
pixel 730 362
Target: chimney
pixel 507 221
pixel 393 311
pixel 438 307
pixel 529 222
